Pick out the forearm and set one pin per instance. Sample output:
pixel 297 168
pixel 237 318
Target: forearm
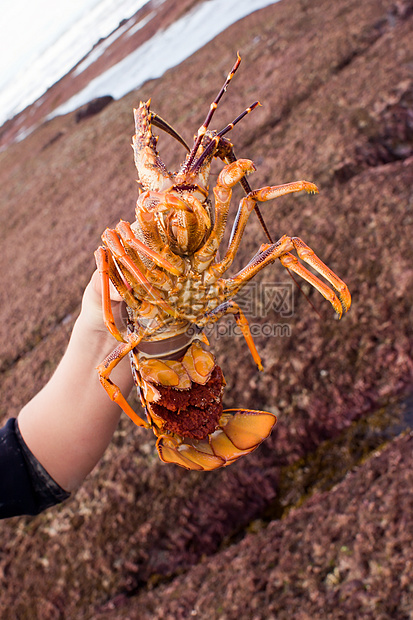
pixel 70 422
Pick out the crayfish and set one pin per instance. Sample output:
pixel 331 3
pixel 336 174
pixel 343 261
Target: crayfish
pixel 165 267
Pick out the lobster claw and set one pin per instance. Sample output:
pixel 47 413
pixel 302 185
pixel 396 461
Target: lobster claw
pixel 239 432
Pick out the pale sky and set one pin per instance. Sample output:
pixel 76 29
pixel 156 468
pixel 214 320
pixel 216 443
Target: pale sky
pixel 27 28
pixel 43 39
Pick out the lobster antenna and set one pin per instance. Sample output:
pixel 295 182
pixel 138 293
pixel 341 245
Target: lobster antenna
pixel 212 108
pixel 160 123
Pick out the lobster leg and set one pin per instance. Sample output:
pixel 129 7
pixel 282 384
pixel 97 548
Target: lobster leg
pixel 108 272
pixel 131 242
pixel 136 277
pixel 247 205
pixel 146 228
pixel 229 176
pixel 229 159
pixel 268 253
pixel 230 307
pixel 105 368
pixel 160 278
pixel 289 261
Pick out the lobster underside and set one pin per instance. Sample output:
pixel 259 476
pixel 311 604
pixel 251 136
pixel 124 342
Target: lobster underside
pixel 192 428
pixel 166 268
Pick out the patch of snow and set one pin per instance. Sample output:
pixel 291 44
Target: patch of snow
pixel 98 50
pixel 141 24
pixel 164 50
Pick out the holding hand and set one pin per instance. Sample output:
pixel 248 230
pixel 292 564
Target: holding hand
pixel 70 422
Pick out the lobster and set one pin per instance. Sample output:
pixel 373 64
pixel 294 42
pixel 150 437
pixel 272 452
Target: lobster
pixel 166 268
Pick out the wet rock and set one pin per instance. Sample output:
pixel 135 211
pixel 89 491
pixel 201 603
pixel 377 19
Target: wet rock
pixel 93 107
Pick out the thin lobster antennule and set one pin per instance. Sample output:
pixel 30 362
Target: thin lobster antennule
pixel 215 140
pixel 201 131
pixel 231 158
pixel 239 118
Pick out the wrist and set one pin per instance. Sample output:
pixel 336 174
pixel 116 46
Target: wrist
pixel 93 335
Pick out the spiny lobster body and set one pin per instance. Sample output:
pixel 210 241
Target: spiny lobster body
pixel 166 269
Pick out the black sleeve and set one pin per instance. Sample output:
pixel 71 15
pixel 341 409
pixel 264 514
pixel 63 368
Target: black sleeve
pixel 25 486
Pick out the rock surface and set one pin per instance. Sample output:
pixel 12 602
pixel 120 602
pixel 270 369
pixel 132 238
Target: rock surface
pixel 144 540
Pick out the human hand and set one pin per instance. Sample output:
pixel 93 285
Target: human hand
pixel 69 423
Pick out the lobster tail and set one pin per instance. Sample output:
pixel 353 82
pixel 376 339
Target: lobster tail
pixel 183 401
pixel 239 432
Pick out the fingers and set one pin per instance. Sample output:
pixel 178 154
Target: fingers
pixel 92 308
pixel 95 281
